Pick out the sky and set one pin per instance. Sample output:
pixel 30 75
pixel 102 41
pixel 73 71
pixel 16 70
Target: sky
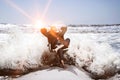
pixel 60 11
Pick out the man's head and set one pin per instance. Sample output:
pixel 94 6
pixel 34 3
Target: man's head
pixel 53 28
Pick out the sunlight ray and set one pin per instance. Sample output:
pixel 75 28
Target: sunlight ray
pixel 46 8
pixel 12 4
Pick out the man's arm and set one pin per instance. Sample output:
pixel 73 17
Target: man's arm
pixel 44 32
pixel 64 29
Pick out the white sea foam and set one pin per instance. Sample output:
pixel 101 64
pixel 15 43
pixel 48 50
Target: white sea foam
pixel 97 57
pixel 22 49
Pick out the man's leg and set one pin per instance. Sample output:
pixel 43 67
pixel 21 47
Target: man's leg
pixel 61 57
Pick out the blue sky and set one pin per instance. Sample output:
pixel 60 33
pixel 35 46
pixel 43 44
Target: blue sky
pixel 64 11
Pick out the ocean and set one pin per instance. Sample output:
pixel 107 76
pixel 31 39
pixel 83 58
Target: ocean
pixel 97 48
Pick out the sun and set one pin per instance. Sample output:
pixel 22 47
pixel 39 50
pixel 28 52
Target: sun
pixel 39 24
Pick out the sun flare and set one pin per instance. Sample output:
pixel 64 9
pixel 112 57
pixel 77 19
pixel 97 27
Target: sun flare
pixel 39 24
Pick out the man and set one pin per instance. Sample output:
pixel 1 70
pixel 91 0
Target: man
pixel 57 42
pixel 62 46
